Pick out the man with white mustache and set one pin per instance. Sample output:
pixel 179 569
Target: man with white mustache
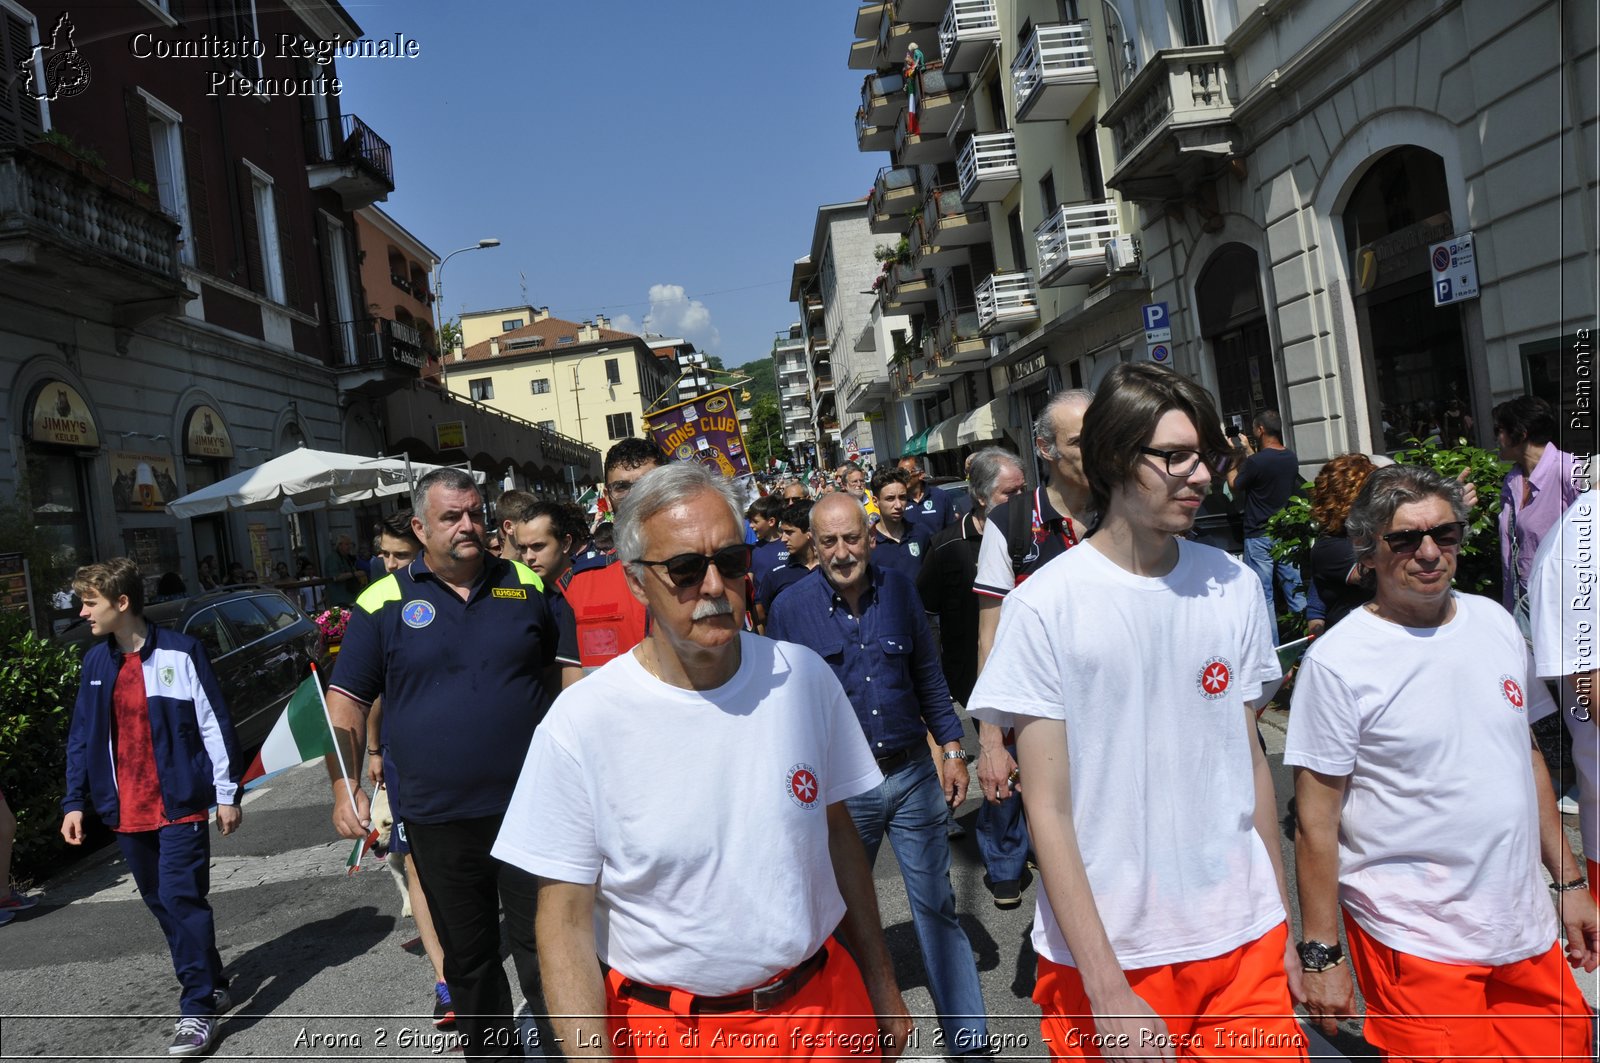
pixel 730 900
pixel 867 622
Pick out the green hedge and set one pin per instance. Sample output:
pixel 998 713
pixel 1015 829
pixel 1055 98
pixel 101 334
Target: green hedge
pixel 38 684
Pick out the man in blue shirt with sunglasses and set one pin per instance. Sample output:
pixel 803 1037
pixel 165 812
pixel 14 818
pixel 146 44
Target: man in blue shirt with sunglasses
pixel 867 622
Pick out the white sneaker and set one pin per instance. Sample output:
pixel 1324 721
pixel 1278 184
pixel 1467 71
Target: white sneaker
pixel 1566 805
pixel 192 1037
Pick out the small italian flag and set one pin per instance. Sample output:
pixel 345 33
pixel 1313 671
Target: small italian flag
pixel 304 732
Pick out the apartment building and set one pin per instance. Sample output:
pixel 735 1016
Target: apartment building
pixel 1003 249
pixel 792 372
pixel 1307 176
pixel 581 381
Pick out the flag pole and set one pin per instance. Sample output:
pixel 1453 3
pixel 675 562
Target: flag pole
pixel 338 753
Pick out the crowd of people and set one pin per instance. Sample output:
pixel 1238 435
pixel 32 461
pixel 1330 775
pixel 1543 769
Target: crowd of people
pixel 793 666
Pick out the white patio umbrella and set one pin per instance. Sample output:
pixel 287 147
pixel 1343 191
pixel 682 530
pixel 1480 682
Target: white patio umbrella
pixel 304 479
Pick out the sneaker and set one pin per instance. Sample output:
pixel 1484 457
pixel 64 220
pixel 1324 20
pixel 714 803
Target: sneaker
pixel 16 902
pixel 192 1037
pixel 6 917
pixel 444 1012
pixel 1007 894
pixel 221 1000
pixel 1567 806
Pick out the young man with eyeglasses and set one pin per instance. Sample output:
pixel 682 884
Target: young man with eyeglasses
pixel 1129 667
pixel 610 620
pixel 734 902
pixel 868 623
pixel 1425 811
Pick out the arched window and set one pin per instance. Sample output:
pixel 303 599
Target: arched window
pixel 1233 321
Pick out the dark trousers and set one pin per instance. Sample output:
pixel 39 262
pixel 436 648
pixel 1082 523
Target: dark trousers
pixel 466 889
pixel 172 868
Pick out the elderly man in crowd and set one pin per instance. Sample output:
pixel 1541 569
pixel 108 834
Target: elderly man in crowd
pixel 869 625
pixel 647 867
pixel 1424 810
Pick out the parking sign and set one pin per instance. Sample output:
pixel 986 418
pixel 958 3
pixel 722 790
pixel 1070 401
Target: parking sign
pixel 1455 270
pixel 1157 326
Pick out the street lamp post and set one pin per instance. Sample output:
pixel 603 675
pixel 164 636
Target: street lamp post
pixel 438 300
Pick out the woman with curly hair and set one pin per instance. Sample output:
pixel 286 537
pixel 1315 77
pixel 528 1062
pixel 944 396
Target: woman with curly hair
pixel 1339 581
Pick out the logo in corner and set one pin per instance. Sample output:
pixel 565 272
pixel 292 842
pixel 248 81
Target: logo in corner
pixel 1511 690
pixel 417 613
pixel 66 71
pixel 167 674
pixel 1216 675
pixel 804 790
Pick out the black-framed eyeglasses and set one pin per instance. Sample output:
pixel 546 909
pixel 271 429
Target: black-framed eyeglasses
pixel 1444 536
pixel 620 487
pixel 687 570
pixel 1181 463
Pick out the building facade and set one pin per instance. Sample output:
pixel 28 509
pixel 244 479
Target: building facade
pixel 1298 169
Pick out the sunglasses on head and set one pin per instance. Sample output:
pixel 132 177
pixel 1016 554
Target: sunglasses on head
pixel 1444 536
pixel 687 570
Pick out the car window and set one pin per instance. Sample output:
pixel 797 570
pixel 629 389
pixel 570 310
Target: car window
pixel 280 614
pixel 247 620
pixel 213 634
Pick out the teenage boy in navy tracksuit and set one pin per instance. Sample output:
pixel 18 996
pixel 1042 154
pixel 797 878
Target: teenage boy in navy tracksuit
pixel 151 748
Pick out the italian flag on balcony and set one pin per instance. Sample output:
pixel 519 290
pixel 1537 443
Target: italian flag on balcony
pixel 916 62
pixel 304 732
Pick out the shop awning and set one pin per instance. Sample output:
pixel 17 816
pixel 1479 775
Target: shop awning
pixel 981 425
pixel 942 436
pixel 917 445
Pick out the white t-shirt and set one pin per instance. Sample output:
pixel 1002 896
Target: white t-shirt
pixel 701 814
pixel 1439 831
pixel 1562 599
pixel 1151 676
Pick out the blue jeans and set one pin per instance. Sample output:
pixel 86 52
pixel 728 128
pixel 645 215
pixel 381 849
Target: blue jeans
pixel 1003 837
pixel 1258 555
pixel 172 868
pixel 910 808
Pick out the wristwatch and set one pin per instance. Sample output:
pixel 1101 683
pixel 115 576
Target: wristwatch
pixel 955 754
pixel 1316 957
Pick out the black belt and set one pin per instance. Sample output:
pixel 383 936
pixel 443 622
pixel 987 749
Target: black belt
pixel 762 998
pixel 890 763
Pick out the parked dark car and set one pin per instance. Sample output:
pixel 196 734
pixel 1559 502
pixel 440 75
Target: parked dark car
pixel 259 642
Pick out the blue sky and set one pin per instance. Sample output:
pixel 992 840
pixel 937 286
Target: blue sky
pixel 622 152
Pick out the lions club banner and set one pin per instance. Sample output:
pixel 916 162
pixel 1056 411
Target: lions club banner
pixel 704 429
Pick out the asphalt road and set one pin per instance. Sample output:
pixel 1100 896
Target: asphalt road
pixel 317 961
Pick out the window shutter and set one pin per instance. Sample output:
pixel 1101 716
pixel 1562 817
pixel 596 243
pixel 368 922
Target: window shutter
pixel 358 295
pixel 330 302
pixel 293 294
pixel 254 274
pixel 20 121
pixel 144 155
pixel 194 161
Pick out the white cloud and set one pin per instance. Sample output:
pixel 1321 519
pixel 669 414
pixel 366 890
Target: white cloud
pixel 673 313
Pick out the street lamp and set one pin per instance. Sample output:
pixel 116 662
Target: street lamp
pixel 577 399
pixel 438 300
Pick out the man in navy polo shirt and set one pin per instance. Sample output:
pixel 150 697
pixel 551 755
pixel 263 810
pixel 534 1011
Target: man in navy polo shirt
pixel 897 543
pixel 868 624
pixel 926 505
pixel 457 644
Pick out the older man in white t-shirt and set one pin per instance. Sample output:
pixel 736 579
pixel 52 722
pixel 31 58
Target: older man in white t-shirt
pixel 700 879
pixel 1425 811
pixel 1564 597
pixel 1128 667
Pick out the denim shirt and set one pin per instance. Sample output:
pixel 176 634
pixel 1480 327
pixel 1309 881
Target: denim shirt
pixel 885 658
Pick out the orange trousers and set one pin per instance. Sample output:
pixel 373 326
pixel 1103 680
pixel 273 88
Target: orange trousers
pixel 830 1016
pixel 1227 1006
pixel 1422 1010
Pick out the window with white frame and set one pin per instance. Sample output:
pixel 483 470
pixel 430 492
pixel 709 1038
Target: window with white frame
pixel 540 386
pixel 481 389
pixel 510 323
pixel 172 187
pixel 267 232
pixel 548 426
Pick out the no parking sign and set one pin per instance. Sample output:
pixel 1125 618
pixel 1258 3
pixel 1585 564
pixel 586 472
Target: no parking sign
pixel 1455 270
pixel 1161 354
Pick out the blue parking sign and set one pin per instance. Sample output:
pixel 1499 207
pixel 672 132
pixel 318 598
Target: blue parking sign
pixel 1155 316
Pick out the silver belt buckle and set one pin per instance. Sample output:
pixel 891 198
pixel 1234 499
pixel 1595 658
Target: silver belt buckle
pixel 768 997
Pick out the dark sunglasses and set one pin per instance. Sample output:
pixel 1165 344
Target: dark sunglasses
pixel 687 570
pixel 1444 536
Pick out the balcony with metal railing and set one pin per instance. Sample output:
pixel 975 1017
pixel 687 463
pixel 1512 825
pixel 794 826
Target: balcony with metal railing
pixel 79 227
pixel 904 285
pixel 1007 302
pixel 344 154
pixel 949 222
pixel 987 166
pixel 928 145
pixel 1173 124
pixel 1072 241
pixel 1054 73
pixel 958 337
pixel 883 97
pixel 893 195
pixel 375 355
pixel 868 16
pixel 969 29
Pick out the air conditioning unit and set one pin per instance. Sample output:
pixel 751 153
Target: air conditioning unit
pixel 1121 254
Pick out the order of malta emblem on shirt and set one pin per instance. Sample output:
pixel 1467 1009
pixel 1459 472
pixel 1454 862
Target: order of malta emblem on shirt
pixel 804 790
pixel 417 613
pixel 1216 675
pixel 1511 690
